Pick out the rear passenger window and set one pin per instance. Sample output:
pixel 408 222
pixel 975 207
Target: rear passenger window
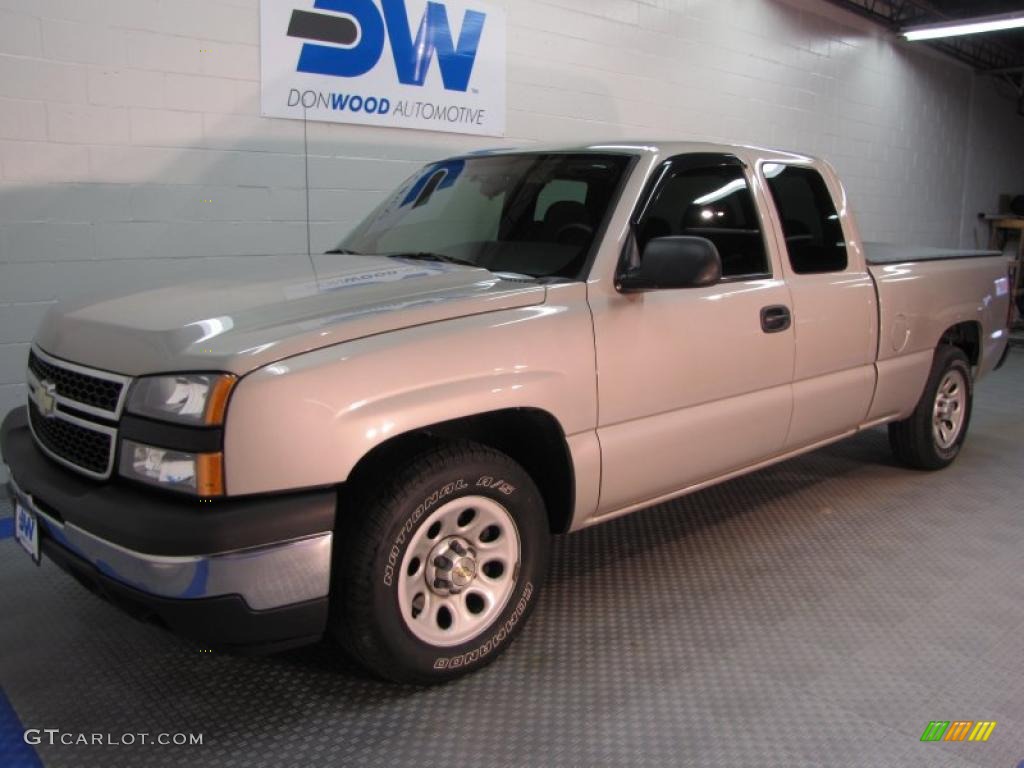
pixel 810 223
pixel 713 203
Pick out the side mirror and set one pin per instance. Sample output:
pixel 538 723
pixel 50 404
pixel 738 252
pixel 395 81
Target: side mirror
pixel 673 262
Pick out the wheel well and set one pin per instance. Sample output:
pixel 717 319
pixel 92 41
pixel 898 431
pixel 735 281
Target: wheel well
pixel 530 436
pixel 966 336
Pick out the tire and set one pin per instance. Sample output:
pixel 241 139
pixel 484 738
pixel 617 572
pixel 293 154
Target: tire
pixel 931 438
pixel 458 536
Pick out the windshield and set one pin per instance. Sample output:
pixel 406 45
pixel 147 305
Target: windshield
pixel 531 214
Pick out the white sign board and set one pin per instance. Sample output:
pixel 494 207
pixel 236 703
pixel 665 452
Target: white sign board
pixel 436 66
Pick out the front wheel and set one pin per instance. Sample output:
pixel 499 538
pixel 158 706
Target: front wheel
pixel 440 565
pixel 932 436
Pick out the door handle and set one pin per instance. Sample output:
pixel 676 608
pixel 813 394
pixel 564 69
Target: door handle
pixel 776 318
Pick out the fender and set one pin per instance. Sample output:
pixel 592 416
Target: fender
pixel 306 421
pixel 915 315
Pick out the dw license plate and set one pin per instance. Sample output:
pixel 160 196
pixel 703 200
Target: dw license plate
pixel 26 530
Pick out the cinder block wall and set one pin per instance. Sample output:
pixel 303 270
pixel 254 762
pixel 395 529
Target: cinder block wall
pixel 120 119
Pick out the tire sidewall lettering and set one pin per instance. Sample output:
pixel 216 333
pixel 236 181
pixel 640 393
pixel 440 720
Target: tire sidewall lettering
pixel 427 505
pixel 494 641
pixel 498 484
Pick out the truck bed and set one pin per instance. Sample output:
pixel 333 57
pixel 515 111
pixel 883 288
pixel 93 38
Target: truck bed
pixel 888 253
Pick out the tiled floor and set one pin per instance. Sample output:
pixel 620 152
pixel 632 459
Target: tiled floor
pixel 819 613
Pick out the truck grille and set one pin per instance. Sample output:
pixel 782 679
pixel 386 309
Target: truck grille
pixel 73 412
pixel 80 387
pixel 81 446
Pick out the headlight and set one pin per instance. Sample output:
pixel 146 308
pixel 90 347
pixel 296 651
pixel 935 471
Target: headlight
pixel 198 473
pixel 198 399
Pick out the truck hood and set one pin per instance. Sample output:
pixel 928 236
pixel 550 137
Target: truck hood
pixel 226 325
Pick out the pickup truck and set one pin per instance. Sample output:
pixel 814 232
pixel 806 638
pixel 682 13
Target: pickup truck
pixel 514 344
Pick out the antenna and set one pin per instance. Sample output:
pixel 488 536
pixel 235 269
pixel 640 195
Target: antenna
pixel 309 236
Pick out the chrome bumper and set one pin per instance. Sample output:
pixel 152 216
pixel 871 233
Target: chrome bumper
pixel 264 577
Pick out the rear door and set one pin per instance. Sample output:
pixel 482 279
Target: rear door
pixel 834 303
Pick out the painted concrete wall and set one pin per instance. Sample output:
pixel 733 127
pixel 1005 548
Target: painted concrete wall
pixel 132 151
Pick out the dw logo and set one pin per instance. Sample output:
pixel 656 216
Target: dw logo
pixel 356 31
pixel 431 65
pixel 26 527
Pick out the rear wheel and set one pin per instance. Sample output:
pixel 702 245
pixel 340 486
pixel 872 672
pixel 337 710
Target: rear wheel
pixel 440 565
pixel 932 436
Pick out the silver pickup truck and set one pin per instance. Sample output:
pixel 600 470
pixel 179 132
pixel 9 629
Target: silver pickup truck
pixel 514 344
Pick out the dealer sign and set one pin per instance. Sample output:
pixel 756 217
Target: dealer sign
pixel 437 66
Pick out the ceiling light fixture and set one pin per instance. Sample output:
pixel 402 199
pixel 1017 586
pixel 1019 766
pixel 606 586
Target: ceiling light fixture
pixel 965 26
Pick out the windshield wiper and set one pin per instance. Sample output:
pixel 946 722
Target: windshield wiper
pixel 344 252
pixel 430 256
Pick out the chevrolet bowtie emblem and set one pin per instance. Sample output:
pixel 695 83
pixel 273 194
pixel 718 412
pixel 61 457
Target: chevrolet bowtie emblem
pixel 46 398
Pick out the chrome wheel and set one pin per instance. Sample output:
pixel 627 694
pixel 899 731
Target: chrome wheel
pixel 459 570
pixel 950 409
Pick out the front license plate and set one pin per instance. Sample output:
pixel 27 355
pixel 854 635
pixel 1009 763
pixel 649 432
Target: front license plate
pixel 26 530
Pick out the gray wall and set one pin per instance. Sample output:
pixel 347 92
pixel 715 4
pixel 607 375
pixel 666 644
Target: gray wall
pixel 995 157
pixel 120 118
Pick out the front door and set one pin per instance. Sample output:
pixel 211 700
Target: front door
pixel 691 384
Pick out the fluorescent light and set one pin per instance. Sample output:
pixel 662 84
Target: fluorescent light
pixel 965 27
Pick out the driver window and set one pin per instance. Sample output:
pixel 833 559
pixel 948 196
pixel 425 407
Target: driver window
pixel 714 203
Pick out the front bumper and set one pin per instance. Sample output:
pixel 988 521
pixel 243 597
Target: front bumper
pixel 251 571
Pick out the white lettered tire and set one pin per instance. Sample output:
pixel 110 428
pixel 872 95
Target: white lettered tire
pixel 438 566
